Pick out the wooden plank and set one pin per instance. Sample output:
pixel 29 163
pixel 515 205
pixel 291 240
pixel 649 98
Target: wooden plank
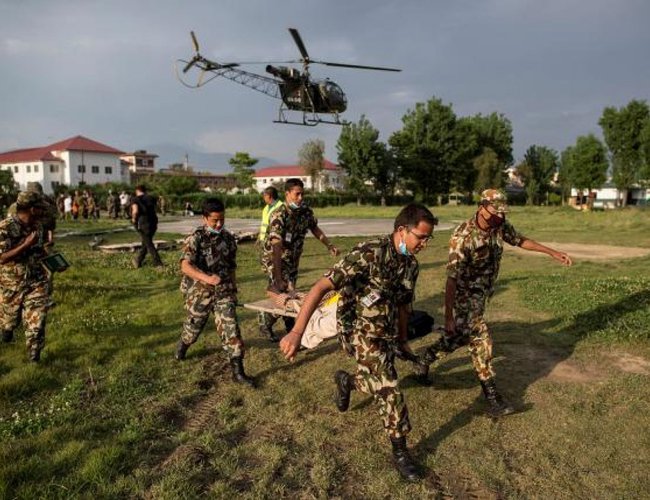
pixel 268 306
pixel 132 247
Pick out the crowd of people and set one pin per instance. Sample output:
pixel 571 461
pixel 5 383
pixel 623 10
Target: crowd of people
pixel 365 299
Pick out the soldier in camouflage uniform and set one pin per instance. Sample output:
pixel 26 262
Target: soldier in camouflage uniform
pixel 24 286
pixel 208 263
pixel 50 213
pixel 282 248
pixel 475 252
pixel 376 281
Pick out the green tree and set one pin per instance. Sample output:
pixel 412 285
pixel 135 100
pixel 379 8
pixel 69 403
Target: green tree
pixel 622 129
pixel 645 150
pixel 312 159
pixel 565 173
pixel 243 171
pixel 489 170
pixel 588 164
pixel 536 170
pixel 425 148
pixel 364 158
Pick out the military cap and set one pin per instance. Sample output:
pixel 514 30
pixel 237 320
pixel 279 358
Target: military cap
pixel 497 198
pixel 29 199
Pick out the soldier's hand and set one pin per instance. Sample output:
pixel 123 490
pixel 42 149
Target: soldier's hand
pixel 289 345
pixel 563 258
pixel 31 239
pixel 213 280
pixel 333 250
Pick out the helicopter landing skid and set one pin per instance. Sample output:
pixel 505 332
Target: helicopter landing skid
pixel 307 121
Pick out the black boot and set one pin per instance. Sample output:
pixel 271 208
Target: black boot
pixel 238 375
pixel 498 407
pixel 181 350
pixel 289 323
pixel 7 336
pixel 343 382
pixel 403 461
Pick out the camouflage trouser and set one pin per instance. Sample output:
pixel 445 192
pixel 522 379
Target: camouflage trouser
pixel 472 331
pixel 376 375
pixel 32 302
pixel 267 320
pixel 199 303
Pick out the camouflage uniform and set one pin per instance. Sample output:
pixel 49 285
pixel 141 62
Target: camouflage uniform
pixel 374 280
pixel 24 284
pixel 474 261
pixel 289 226
pixel 212 254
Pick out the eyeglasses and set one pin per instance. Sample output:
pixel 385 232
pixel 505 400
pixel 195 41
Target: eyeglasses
pixel 424 238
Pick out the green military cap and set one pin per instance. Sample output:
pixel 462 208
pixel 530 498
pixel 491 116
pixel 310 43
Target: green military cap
pixel 29 199
pixel 497 198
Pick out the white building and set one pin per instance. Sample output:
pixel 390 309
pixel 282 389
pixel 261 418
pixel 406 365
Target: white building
pixel 608 196
pixel 73 161
pixel 332 176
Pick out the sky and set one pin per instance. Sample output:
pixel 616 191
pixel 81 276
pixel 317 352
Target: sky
pixel 104 69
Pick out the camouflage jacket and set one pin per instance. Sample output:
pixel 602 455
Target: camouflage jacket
pixel 475 255
pixel 212 254
pixel 290 226
pixel 373 280
pixel 26 266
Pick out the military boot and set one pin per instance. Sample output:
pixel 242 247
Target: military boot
pixel 343 382
pixel 498 407
pixel 268 333
pixel 35 354
pixel 181 350
pixel 238 375
pixel 403 461
pixel 7 336
pixel 289 323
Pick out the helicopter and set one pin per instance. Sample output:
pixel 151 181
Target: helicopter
pixel 295 88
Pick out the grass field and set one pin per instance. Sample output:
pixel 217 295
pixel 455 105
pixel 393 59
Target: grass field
pixel 109 414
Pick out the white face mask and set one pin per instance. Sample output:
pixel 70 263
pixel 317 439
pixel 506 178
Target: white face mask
pixel 212 230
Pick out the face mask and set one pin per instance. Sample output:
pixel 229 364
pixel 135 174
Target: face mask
pixel 295 205
pixel 211 230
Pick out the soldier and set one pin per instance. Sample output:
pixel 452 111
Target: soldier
pixel 283 246
pixel 50 213
pixel 110 203
pixel 272 202
pixel 23 279
pixel 208 263
pixel 376 281
pixel 475 251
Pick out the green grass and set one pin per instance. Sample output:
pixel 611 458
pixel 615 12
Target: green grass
pixel 108 413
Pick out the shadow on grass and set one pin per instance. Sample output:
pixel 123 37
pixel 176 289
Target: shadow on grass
pixel 528 358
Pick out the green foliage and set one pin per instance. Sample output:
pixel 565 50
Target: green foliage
pixel 588 160
pixel 311 157
pixel 489 170
pixel 243 171
pixel 622 129
pixel 365 158
pixel 536 171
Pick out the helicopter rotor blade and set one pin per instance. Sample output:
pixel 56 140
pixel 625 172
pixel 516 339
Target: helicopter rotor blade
pixel 195 42
pixel 301 46
pixel 191 63
pixel 357 66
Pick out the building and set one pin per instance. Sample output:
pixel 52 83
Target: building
pixel 139 162
pixel 73 161
pixel 332 176
pixel 609 197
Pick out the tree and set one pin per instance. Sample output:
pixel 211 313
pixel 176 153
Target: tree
pixel 565 173
pixel 622 129
pixel 645 150
pixel 588 164
pixel 311 159
pixel 243 171
pixel 425 148
pixel 536 171
pixel 489 170
pixel 364 158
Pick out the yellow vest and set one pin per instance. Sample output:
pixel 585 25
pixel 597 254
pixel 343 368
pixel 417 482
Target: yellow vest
pixel 266 217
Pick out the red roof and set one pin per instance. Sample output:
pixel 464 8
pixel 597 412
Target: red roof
pixel 291 170
pixel 44 153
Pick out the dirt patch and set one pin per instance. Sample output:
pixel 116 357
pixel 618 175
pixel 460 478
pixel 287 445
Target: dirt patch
pixel 580 251
pixel 555 365
pixel 569 371
pixel 630 363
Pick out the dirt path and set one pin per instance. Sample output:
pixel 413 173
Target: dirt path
pixel 581 251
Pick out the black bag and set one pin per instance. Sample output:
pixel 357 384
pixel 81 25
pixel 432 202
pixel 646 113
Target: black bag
pixel 420 324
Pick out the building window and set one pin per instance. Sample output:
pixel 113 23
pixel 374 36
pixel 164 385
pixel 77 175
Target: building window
pixel 108 170
pixel 94 169
pixel 28 169
pixel 81 169
pixel 54 168
pixel 35 168
pixel 55 184
pixel 145 162
pixel 16 169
